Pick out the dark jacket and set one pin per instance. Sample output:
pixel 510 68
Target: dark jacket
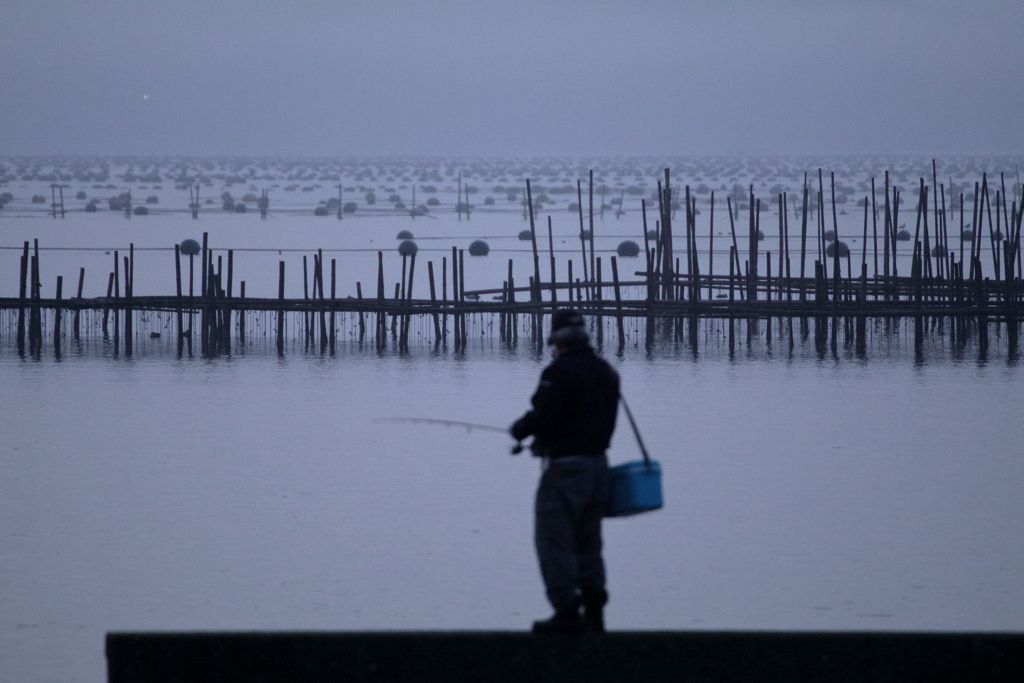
pixel 574 407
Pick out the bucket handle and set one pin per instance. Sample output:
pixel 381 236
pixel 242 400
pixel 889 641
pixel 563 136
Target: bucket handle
pixel 636 431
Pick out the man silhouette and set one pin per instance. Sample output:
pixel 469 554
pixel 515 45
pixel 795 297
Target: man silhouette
pixel 572 421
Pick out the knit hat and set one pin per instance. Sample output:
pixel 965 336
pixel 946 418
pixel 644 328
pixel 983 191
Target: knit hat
pixel 567 328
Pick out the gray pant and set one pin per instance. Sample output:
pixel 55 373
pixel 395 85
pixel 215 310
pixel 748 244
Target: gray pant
pixel 571 501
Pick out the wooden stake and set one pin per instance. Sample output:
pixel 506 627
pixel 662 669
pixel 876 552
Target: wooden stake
pixel 583 241
pixel 280 309
pixel 23 295
pixel 81 283
pixel 362 320
pixel 177 280
pixel 551 252
pixel 334 284
pixel 241 317
pixel 618 304
pixel 433 303
pixel 57 316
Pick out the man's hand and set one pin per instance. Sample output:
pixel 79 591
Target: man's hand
pixel 520 429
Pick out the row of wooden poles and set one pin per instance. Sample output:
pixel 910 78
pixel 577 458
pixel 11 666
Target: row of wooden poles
pixel 678 295
pixel 841 318
pixel 839 301
pixel 263 203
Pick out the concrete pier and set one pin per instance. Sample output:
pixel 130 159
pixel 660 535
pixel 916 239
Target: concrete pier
pixel 622 657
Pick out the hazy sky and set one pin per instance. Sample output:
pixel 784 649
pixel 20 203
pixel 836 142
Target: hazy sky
pixel 452 77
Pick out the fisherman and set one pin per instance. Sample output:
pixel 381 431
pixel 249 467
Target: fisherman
pixel 572 421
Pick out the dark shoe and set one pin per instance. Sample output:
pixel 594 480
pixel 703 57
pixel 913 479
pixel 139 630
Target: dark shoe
pixel 565 621
pixel 594 600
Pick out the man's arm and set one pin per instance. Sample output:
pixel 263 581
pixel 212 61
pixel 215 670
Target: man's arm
pixel 527 425
pixel 548 405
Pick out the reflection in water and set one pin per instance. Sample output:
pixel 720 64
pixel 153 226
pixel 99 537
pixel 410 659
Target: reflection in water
pixel 884 339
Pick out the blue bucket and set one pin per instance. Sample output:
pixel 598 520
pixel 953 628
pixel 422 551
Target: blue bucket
pixel 636 488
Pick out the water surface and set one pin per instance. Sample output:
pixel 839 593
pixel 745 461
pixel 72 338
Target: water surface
pixel 257 492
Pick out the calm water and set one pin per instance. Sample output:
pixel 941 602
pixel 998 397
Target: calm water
pixel 257 492
pixel 264 493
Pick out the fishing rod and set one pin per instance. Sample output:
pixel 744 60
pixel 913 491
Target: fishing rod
pixel 470 426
